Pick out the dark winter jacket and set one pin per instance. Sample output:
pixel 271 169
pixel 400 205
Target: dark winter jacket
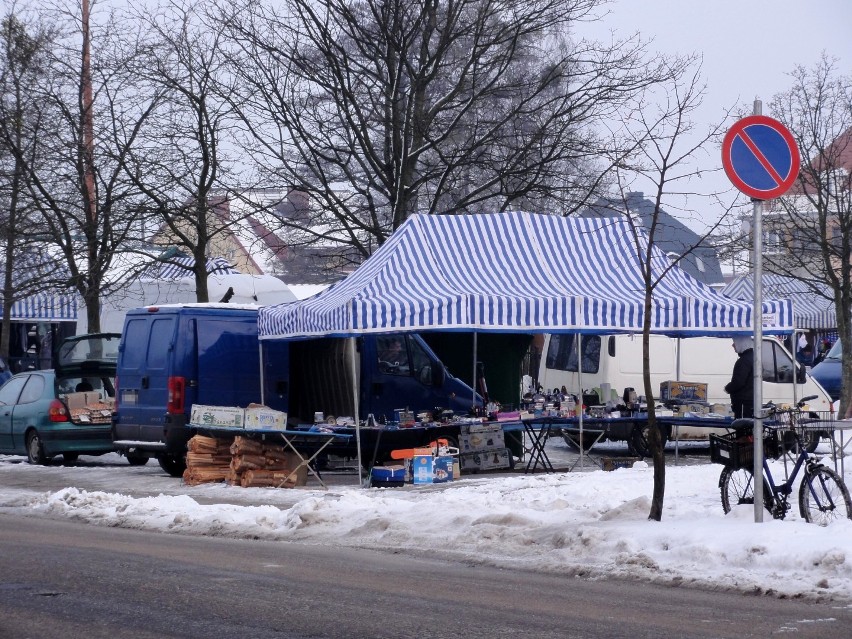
pixel 741 386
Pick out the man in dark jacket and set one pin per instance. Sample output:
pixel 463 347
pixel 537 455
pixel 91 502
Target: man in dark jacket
pixel 741 386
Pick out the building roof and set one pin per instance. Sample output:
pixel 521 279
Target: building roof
pixel 672 236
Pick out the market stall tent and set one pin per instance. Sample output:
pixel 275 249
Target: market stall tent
pixel 516 272
pixel 813 305
pixel 513 273
pixel 45 307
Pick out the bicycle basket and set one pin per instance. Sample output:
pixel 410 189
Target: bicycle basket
pixel 736 450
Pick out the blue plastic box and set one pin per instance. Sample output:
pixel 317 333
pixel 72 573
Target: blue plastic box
pixel 387 476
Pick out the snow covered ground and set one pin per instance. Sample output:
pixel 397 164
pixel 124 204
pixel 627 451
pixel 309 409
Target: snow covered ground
pixel 589 523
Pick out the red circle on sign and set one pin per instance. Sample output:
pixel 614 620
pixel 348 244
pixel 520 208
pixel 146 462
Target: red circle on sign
pixel 782 182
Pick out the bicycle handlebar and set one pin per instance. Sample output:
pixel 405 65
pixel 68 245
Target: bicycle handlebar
pixel 772 408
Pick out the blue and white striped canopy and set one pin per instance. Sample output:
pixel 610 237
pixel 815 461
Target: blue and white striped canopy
pixel 811 308
pixel 514 272
pixel 46 307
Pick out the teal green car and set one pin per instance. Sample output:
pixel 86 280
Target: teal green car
pixel 66 411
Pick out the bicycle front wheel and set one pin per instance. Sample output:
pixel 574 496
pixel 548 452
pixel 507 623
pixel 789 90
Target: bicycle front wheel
pixel 737 485
pixel 823 497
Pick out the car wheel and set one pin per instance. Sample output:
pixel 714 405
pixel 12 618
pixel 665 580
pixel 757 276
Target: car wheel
pixel 70 457
pixel 174 465
pixel 136 459
pixel 638 444
pixel 35 450
pixel 810 439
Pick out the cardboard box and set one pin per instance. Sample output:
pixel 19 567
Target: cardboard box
pixel 481 438
pixel 256 417
pixel 683 391
pixel 720 409
pixel 486 460
pixel 443 469
pixel 75 400
pixel 422 469
pixel 611 463
pixel 224 416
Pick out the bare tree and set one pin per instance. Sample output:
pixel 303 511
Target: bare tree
pixel 92 110
pixel 664 154
pixel 28 266
pixel 189 165
pixel 813 221
pixel 379 109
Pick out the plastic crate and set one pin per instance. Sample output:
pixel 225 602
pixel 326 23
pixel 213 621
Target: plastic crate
pixel 736 450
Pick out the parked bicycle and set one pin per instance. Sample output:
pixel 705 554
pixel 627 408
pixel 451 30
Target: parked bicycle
pixel 823 495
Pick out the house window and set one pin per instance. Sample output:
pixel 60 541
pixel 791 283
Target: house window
pixel 772 241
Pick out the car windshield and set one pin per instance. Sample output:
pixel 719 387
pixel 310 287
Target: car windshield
pixel 835 352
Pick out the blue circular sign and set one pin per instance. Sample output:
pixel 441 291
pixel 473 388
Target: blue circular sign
pixel 760 157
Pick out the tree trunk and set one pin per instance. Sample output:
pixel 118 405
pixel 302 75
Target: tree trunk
pixel 655 441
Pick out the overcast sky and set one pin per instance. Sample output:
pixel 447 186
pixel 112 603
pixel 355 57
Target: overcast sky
pixel 749 48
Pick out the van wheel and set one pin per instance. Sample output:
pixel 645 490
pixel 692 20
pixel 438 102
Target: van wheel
pixel 810 439
pixel 638 445
pixel 174 465
pixel 136 459
pixel 35 449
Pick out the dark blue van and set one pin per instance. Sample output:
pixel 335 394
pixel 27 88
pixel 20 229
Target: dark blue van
pixel 829 372
pixel 172 357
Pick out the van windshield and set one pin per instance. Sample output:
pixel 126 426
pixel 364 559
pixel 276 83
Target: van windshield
pixel 835 352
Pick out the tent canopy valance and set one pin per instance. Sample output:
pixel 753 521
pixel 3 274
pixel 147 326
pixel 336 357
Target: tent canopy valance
pixel 45 307
pixel 515 272
pixel 813 304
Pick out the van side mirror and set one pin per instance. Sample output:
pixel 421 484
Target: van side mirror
pixel 801 375
pixel 439 374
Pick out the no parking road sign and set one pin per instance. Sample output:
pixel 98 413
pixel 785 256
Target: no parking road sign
pixel 760 157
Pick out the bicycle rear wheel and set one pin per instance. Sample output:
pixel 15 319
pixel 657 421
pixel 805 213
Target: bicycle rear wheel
pixel 737 486
pixel 823 497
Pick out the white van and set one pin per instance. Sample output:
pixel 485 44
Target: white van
pixel 617 360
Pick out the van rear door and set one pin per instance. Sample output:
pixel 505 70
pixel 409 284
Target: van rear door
pixel 228 366
pixel 146 350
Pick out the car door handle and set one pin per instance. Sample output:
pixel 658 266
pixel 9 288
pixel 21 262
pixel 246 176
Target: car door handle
pixel 145 382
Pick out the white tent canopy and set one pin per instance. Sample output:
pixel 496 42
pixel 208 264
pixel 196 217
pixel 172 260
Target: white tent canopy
pixel 175 286
pixel 515 272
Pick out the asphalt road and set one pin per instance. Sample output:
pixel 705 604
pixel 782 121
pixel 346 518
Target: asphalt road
pixel 67 579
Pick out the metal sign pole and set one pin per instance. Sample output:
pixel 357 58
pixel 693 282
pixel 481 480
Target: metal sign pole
pixel 759 141
pixel 757 226
pixel 580 380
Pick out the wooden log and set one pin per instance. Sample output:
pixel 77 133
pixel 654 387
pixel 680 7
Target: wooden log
pixel 248 462
pixel 194 459
pixel 209 445
pixel 245 446
pixel 196 476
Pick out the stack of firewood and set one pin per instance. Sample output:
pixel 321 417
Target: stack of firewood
pixel 208 459
pixel 258 464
